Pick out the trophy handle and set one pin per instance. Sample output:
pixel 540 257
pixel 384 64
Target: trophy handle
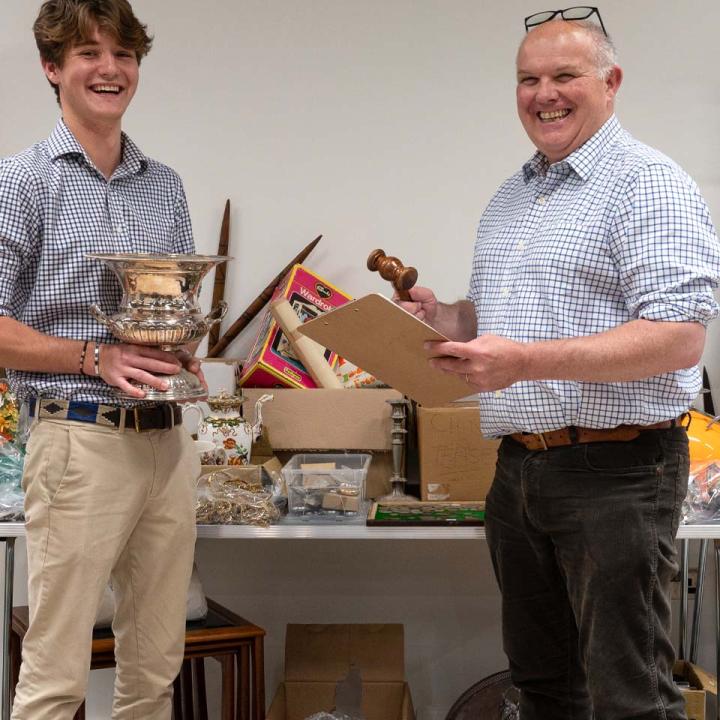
pixel 216 314
pixel 101 317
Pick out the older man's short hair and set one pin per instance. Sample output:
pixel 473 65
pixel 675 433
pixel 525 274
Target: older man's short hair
pixel 605 52
pixel 605 55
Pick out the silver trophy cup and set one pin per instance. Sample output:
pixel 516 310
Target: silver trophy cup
pixel 159 308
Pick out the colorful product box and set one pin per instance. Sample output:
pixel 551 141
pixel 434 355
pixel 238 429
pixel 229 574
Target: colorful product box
pixel 271 361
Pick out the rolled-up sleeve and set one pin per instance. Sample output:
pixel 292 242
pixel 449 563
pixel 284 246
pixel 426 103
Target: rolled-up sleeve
pixel 666 248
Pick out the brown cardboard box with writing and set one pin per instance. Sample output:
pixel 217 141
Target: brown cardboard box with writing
pixel 456 461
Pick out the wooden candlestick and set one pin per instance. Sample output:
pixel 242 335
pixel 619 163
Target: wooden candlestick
pixel 392 269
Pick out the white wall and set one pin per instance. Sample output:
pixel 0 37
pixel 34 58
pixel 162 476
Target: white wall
pixel 378 124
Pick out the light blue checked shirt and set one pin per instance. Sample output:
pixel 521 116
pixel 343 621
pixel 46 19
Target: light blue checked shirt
pixel 55 206
pixel 615 232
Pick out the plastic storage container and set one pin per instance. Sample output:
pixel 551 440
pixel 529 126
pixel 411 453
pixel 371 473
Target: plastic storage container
pixel 326 486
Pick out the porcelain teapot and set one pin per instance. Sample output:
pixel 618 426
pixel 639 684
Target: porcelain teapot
pixel 225 426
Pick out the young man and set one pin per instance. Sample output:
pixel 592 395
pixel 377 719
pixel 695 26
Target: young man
pixel 103 500
pixel 591 287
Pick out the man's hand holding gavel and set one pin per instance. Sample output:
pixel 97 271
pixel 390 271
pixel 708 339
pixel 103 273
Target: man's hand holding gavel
pixel 418 301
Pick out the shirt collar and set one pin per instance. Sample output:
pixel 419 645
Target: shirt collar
pixel 583 160
pixel 133 160
pixel 63 143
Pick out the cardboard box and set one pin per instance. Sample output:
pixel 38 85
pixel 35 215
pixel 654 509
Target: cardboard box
pixel 322 419
pixel 456 461
pixel 271 361
pixel 701 683
pixel 317 657
pixel 319 419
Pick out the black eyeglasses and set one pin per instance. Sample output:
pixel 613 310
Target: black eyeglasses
pixel 573 13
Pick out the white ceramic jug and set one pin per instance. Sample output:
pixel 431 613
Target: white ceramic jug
pixel 225 426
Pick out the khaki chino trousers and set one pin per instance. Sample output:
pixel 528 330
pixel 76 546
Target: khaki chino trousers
pixel 106 505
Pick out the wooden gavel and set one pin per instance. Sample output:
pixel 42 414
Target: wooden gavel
pixel 390 268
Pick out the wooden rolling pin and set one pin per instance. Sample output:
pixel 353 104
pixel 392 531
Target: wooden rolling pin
pixel 310 353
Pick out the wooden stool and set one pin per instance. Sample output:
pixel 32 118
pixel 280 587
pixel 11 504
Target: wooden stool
pixel 233 641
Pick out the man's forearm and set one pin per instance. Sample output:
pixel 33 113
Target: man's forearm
pixel 635 350
pixel 23 348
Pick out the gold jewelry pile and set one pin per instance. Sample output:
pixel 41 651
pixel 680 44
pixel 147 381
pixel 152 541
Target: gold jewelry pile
pixel 224 498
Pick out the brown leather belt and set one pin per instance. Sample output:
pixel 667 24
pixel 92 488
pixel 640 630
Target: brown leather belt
pixel 574 435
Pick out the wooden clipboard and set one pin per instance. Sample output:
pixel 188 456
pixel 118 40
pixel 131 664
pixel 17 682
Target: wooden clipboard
pixel 380 337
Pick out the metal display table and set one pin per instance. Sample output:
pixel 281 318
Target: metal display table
pixel 10 531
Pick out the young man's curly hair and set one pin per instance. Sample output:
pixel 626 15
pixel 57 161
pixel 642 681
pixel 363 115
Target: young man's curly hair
pixel 61 24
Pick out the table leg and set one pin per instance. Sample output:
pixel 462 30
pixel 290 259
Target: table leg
pixel 699 590
pixel 227 663
pixel 717 622
pixel 258 681
pixel 7 623
pixel 244 682
pixel 198 666
pixel 682 620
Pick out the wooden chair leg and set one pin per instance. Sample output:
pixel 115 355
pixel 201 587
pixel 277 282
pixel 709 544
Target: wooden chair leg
pixel 186 684
pixel 257 663
pixel 177 711
pixel 198 666
pixel 227 663
pixel 15 660
pixel 243 682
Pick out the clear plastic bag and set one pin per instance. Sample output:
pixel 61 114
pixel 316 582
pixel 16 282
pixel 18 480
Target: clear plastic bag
pixel 702 502
pixel 12 499
pixel 510 704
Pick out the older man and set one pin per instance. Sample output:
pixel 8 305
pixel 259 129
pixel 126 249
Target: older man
pixel 590 292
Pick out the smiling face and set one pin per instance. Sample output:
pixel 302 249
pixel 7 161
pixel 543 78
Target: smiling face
pixel 97 81
pixel 561 99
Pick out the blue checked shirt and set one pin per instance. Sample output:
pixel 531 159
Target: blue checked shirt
pixel 55 207
pixel 615 232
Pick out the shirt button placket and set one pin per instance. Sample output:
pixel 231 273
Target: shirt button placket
pixel 116 217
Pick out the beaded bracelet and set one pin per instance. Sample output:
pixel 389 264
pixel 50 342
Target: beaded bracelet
pixel 96 356
pixel 82 357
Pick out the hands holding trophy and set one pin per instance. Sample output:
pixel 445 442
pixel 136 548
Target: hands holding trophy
pixel 159 308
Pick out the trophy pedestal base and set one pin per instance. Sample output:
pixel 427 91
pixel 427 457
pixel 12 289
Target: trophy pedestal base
pixel 182 387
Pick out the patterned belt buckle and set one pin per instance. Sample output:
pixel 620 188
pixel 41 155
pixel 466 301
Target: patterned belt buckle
pixel 138 423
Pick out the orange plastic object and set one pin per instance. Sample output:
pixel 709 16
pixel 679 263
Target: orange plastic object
pixel 704 437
